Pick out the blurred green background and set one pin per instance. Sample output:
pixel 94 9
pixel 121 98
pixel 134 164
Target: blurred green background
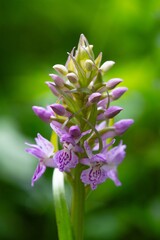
pixel 37 34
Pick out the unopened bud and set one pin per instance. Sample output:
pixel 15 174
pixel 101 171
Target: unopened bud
pixel 75 131
pixel 109 113
pixel 88 65
pixel 118 92
pixel 58 109
pixel 94 97
pixel 61 69
pixel 106 66
pixel 58 80
pixel 122 126
pixel 72 77
pixel 43 113
pixel 103 103
pixel 52 87
pixel 112 83
pixel 112 111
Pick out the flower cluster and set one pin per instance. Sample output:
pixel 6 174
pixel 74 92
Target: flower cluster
pixel 82 118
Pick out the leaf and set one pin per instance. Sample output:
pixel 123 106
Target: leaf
pixel 61 208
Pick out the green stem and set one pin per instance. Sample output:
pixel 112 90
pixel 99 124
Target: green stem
pixel 78 205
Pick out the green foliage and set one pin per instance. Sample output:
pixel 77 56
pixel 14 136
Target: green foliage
pixel 35 36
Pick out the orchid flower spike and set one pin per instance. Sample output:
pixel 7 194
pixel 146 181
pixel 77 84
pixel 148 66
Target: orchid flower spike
pixel 82 120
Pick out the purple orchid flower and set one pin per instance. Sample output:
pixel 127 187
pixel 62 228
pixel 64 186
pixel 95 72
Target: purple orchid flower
pixel 66 158
pixel 102 165
pixel 44 151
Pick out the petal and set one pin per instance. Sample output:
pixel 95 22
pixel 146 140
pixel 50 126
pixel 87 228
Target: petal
pixel 58 128
pixel 45 145
pixel 88 149
pixel 109 134
pixel 77 148
pixel 116 154
pixel 82 135
pixel 93 176
pixel 38 172
pixel 98 158
pixel 112 174
pixel 50 162
pixel 36 152
pixel 65 160
pixel 67 138
pixel 106 146
pixel 85 161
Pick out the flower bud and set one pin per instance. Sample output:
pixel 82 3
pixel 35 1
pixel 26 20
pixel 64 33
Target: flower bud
pixel 118 92
pixel 94 97
pixel 109 113
pixel 58 80
pixel 58 109
pixel 61 69
pixel 112 111
pixel 106 66
pixel 88 65
pixel 52 87
pixel 42 113
pixel 103 103
pixel 112 83
pixel 72 77
pixel 122 126
pixel 75 131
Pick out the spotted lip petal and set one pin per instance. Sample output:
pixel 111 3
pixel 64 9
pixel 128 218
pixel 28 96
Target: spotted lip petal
pixel 65 160
pixel 93 176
